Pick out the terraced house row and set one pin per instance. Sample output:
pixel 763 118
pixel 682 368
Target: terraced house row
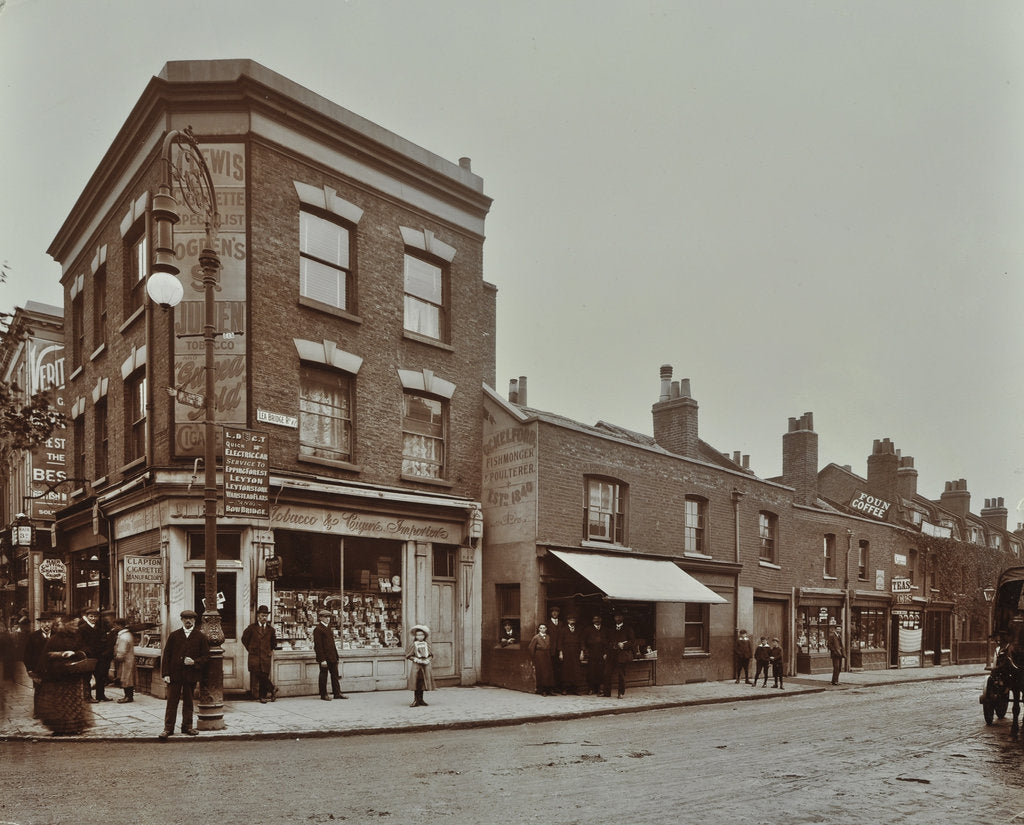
pixel 356 340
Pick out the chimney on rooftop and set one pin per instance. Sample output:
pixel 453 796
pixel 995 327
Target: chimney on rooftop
pixel 675 416
pixel 995 513
pixel 800 458
pixel 883 465
pixel 956 498
pixel 906 477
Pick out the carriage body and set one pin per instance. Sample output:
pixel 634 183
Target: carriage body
pixel 1007 674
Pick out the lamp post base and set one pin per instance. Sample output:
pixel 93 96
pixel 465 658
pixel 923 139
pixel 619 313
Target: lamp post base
pixel 210 707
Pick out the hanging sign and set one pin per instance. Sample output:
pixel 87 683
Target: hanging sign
pixel 52 569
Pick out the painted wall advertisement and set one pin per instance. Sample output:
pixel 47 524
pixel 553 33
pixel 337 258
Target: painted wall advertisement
pixel 227 166
pixel 48 469
pixel 510 482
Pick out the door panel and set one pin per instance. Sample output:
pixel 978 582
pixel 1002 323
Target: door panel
pixel 231 623
pixel 442 628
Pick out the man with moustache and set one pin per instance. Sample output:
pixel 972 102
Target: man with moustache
pixel 595 644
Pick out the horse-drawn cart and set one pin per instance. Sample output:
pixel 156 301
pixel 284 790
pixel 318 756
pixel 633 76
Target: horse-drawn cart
pixel 1007 675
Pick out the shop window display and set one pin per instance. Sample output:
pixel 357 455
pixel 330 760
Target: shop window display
pixel 813 625
pixel 869 629
pixel 359 581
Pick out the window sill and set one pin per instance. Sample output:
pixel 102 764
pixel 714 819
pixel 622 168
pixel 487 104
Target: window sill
pixel 696 555
pixel 603 545
pixel 327 462
pixel 426 339
pixel 696 654
pixel 507 647
pixel 96 353
pixel 75 373
pixel 434 482
pixel 337 312
pixel 828 578
pixel 133 464
pixel 769 564
pixel 99 482
pixel 135 314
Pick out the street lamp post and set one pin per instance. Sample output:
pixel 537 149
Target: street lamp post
pixel 195 185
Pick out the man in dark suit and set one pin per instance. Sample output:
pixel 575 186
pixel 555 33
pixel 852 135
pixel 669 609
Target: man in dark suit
pixel 90 640
pixel 837 651
pixel 555 628
pixel 34 645
pixel 260 640
pixel 620 653
pixel 108 638
pixel 327 656
pixel 181 664
pixel 595 643
pixel 570 645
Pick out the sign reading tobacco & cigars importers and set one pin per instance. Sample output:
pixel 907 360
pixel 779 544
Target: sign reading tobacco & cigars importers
pixel 246 473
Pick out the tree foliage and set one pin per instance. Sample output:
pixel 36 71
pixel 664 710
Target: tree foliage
pixel 963 571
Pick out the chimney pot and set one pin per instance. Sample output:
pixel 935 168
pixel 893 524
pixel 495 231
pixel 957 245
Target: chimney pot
pixel 466 164
pixel 684 388
pixel 666 381
pixel 522 390
pixel 674 391
pixel 513 391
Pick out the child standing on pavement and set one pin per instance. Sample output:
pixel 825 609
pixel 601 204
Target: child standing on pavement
pixel 776 660
pixel 762 658
pixel 421 676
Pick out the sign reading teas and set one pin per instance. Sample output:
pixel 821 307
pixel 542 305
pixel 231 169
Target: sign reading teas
pixel 871 505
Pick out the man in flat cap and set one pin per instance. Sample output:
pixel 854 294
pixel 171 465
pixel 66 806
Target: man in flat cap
pixel 90 640
pixel 260 641
pixel 181 664
pixel 327 656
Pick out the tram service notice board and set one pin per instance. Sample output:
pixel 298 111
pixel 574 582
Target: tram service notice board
pixel 246 473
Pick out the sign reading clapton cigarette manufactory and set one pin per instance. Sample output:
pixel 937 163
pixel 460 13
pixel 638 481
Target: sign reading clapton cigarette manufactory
pixel 246 473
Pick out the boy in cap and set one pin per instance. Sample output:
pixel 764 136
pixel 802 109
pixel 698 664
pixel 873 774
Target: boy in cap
pixel 260 641
pixel 776 660
pixel 181 665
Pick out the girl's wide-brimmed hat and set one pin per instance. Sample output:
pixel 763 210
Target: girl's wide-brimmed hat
pixel 423 627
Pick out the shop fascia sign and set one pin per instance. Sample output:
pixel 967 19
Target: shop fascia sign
pixel 347 523
pixel 901 589
pixel 869 505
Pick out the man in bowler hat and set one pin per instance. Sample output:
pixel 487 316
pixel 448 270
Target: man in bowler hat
pixel 181 665
pixel 260 641
pixel 327 657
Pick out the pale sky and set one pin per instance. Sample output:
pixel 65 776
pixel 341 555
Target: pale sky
pixel 801 206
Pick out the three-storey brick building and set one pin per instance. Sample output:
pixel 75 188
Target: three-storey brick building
pixel 362 331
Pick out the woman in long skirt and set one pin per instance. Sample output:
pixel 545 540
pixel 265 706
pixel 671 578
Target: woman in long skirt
pixel 540 652
pixel 62 706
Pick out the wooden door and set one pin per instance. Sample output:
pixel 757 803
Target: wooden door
pixel 770 621
pixel 443 628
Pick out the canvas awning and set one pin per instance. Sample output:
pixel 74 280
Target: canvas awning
pixel 640 580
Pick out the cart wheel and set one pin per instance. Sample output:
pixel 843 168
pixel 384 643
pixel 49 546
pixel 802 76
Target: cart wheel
pixel 988 708
pixel 1001 705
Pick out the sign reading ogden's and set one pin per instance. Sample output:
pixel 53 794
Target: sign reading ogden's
pixel 246 473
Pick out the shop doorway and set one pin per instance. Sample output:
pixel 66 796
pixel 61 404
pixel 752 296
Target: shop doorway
pixel 227 585
pixel 443 613
pixel 770 622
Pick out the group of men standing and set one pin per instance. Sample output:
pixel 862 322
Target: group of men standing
pixel 591 658
pixel 767 655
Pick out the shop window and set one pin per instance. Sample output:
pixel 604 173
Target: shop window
pixel 325 273
pixel 604 510
pixel 507 599
pixel 135 416
pixel 99 308
pixel 425 298
pixel 325 413
pixel 229 546
pixel 423 436
pixel 696 627
pixel 444 561
pixel 136 253
pixel 863 559
pixel 78 433
pixel 77 330
pixel 869 629
pixel 101 435
pixel 767 525
pixel 829 545
pixel 142 606
pixel 227 605
pixel 359 582
pixel 813 625
pixel 696 510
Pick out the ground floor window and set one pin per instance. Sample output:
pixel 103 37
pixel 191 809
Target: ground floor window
pixel 359 581
pixel 696 621
pixel 868 629
pixel 813 625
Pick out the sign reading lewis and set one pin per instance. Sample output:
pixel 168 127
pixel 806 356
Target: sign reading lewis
pixel 246 473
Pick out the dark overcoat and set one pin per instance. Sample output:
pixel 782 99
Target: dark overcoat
pixel 172 658
pixel 260 640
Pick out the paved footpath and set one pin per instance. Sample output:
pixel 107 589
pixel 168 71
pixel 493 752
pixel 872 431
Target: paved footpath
pixel 454 707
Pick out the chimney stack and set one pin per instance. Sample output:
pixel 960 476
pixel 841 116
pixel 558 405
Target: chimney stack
pixel 800 458
pixel 956 498
pixel 906 477
pixel 513 391
pixel 522 390
pixel 995 513
pixel 675 416
pixel 883 465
